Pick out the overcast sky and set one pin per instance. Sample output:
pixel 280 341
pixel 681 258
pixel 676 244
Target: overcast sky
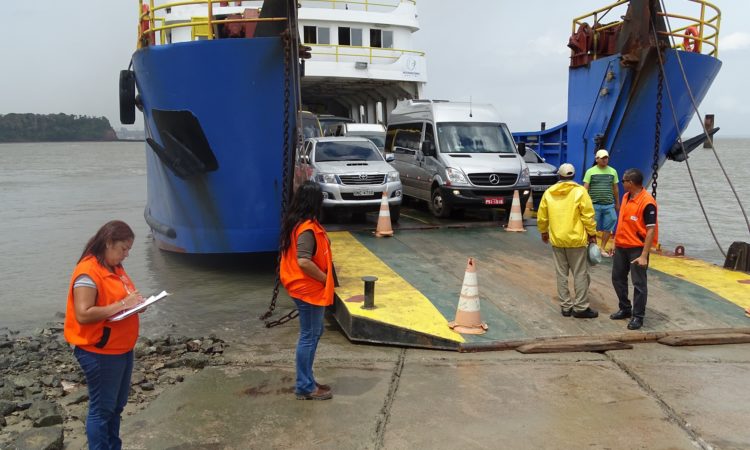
pixel 65 56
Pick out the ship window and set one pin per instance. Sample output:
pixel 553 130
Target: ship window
pixel 310 35
pixel 345 36
pixel 324 35
pixel 316 35
pixel 376 38
pixel 357 37
pixel 387 39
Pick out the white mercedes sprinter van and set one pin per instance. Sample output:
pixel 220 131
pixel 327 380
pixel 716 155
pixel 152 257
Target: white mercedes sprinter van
pixel 456 156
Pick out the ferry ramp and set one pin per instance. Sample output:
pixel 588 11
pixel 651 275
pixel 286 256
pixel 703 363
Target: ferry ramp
pixel 421 269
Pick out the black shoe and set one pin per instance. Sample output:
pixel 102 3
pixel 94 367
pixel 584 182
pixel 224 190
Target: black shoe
pixel 566 312
pixel 587 313
pixel 635 323
pixel 621 314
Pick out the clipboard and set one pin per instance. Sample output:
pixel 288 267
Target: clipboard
pixel 129 312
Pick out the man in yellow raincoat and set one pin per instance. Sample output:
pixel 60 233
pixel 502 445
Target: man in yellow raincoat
pixel 566 220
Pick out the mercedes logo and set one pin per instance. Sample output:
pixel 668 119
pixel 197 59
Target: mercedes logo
pixel 494 178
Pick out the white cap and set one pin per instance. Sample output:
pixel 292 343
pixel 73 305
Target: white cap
pixel 602 154
pixel 566 170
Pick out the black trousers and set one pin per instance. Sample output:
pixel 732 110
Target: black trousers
pixel 621 266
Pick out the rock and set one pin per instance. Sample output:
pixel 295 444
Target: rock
pixel 23 405
pixel 137 378
pixel 80 395
pixel 22 381
pixel 6 407
pixel 50 381
pixel 4 343
pixel 43 414
pixel 180 378
pixel 68 386
pixel 2 422
pixel 147 386
pixel 194 360
pixel 50 438
pixel 194 345
pixel 7 392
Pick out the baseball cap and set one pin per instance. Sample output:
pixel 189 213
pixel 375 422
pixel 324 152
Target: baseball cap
pixel 602 154
pixel 566 170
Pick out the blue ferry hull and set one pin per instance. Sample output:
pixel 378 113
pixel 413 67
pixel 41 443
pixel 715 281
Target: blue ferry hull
pixel 235 90
pixel 621 112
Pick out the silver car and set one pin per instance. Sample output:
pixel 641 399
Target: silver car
pixel 352 173
pixel 541 173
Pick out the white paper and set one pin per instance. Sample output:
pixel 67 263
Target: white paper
pixel 129 312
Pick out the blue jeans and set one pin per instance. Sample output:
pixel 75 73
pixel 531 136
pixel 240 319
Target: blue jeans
pixel 108 377
pixel 310 330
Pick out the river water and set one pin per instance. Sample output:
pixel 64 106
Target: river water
pixel 54 196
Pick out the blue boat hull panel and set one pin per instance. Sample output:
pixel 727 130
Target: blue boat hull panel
pixel 235 89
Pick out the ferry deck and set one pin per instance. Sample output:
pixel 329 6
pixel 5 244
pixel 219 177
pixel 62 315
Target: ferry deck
pixel 420 271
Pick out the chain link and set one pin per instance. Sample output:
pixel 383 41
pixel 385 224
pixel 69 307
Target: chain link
pixel 286 41
pixel 657 132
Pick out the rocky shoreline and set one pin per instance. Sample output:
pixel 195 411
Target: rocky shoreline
pixel 43 393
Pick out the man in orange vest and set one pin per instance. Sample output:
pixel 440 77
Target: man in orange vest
pixel 637 232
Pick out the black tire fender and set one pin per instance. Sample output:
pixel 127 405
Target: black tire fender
pixel 127 97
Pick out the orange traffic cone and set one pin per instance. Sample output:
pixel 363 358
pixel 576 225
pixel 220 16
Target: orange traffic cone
pixel 468 320
pixel 515 222
pixel 529 212
pixel 384 219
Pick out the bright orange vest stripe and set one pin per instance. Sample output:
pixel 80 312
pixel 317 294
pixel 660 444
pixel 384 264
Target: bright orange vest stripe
pixel 295 281
pixel 111 338
pixel 631 229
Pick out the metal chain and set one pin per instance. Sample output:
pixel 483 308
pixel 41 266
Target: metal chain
pixel 286 40
pixel 657 132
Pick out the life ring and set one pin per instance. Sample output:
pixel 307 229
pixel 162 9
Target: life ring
pixel 691 42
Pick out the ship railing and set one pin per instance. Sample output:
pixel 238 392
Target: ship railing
pixel 701 30
pixel 150 24
pixel 338 53
pixel 357 5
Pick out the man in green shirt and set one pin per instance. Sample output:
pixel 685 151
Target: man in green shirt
pixel 601 181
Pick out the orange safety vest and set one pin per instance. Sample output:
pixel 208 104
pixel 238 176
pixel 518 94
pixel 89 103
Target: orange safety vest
pixel 111 338
pixel 631 228
pixel 296 282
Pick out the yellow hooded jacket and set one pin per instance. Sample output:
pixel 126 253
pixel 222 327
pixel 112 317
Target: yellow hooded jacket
pixel 567 214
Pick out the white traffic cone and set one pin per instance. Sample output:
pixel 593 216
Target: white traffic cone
pixel 515 222
pixel 384 228
pixel 529 212
pixel 468 319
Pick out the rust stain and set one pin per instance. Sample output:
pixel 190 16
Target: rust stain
pixel 256 391
pixel 744 281
pixel 355 299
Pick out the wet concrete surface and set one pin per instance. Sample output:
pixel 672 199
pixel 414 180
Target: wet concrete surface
pixel 651 397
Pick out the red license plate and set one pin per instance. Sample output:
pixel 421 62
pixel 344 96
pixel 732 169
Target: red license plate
pixel 494 201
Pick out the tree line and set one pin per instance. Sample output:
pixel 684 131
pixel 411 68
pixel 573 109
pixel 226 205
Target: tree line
pixel 54 127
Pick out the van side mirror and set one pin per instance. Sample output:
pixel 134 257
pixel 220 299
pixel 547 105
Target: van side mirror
pixel 389 157
pixel 428 148
pixel 522 148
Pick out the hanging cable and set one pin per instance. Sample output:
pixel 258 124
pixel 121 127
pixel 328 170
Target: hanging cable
pixel 674 117
pixel 703 126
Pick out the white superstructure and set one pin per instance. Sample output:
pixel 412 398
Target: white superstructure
pixel 363 58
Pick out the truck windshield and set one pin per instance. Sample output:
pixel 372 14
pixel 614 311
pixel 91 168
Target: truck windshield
pixel 346 151
pixel 466 137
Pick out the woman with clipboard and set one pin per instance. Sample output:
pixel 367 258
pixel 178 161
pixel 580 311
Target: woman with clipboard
pixel 100 288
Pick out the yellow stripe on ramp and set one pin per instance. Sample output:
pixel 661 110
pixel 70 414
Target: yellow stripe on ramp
pixel 729 284
pixel 397 302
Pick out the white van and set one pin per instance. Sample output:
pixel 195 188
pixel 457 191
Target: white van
pixel 372 131
pixel 456 156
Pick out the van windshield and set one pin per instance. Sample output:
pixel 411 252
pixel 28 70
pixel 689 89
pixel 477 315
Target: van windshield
pixel 377 138
pixel 466 137
pixel 346 151
pixel 310 127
